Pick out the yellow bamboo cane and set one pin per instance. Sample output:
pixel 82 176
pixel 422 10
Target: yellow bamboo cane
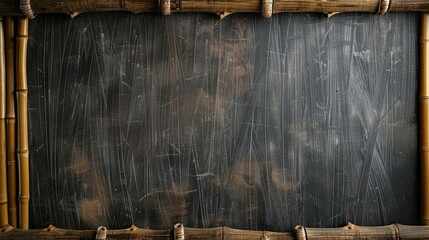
pixel 10 121
pixel 21 92
pixel 424 118
pixel 3 161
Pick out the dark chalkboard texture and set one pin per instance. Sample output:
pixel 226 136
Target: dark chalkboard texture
pixel 245 122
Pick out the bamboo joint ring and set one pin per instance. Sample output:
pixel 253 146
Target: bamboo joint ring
pixel 267 8
pixel 165 7
pixel 383 6
pixel 25 7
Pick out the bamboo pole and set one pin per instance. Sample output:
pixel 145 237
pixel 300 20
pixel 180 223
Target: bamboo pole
pixel 424 118
pixel 3 160
pixel 22 150
pixel 349 232
pixel 10 121
pixel 31 8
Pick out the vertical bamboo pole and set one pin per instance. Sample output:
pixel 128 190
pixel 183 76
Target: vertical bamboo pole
pixel 10 121
pixel 424 118
pixel 21 92
pixel 3 161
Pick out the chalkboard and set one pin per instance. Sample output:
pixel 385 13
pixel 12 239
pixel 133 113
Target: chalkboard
pixel 245 122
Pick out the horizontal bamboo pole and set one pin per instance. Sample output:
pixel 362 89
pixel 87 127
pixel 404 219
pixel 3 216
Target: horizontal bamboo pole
pixel 10 121
pixel 30 8
pixel 22 150
pixel 3 159
pixel 350 231
pixel 424 118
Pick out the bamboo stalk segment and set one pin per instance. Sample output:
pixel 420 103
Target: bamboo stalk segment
pixel 424 118
pixel 10 121
pixel 350 231
pixel 3 160
pixel 179 231
pixel 101 233
pixel 22 101
pixel 165 6
pixel 30 8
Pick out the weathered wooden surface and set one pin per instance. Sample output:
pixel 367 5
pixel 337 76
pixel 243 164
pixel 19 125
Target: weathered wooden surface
pixel 254 124
pixel 33 7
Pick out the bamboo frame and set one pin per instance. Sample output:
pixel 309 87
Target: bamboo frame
pixel 349 232
pixel 3 160
pixel 22 150
pixel 10 121
pixel 30 8
pixel 267 7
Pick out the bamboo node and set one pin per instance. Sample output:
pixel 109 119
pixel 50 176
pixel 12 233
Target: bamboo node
pixel 101 233
pixel 267 8
pixel 7 228
pixel 300 233
pixel 165 6
pixel 383 7
pixel 179 232
pixel 25 7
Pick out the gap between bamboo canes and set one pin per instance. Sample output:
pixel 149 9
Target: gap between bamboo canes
pixel 10 121
pixel 3 161
pixel 22 101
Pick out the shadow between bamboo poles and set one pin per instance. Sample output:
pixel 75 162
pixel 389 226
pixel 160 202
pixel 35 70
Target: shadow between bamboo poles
pixel 22 102
pixel 3 161
pixel 10 121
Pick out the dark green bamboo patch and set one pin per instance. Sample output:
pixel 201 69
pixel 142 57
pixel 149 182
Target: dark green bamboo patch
pixel 10 121
pixel 3 161
pixel 22 150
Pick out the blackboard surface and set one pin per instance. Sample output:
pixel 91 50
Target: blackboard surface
pixel 245 122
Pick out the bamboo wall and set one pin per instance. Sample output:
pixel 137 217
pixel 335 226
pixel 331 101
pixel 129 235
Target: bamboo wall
pixel 245 122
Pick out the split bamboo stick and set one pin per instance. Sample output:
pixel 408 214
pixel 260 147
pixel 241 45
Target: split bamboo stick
pixel 22 102
pixel 30 8
pixel 424 118
pixel 10 121
pixel 3 159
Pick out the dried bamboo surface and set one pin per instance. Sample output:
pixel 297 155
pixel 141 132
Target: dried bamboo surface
pixel 10 121
pixel 21 91
pixel 3 160
pixel 350 231
pixel 31 8
pixel 424 118
pixel 137 233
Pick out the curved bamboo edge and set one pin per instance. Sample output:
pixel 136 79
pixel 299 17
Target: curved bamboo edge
pixel 30 8
pixel 350 231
